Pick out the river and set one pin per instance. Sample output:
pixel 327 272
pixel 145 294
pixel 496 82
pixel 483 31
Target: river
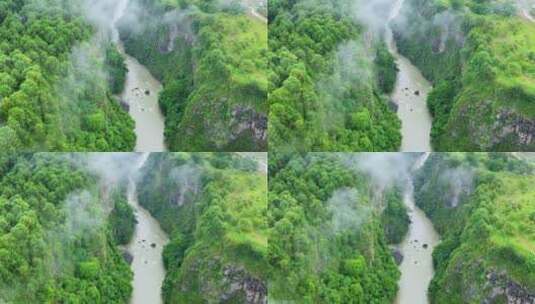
pixel 410 94
pixel 417 248
pixel 146 248
pixel 141 94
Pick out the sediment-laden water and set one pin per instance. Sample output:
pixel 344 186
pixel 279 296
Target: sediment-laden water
pixel 410 94
pixel 141 94
pixel 417 248
pixel 146 249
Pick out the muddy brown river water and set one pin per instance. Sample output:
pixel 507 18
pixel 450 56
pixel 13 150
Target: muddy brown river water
pixel 141 94
pixel 410 94
pixel 417 248
pixel 146 248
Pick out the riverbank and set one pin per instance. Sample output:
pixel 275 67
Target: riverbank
pixel 215 218
pixel 214 95
pixel 481 205
pixel 410 95
pixel 141 91
pixel 477 57
pixel 146 248
pixel 417 248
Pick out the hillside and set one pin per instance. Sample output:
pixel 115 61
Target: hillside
pixel 328 76
pixel 211 61
pixel 56 245
pixel 52 92
pixel 213 208
pixel 328 233
pixel 483 207
pixel 480 57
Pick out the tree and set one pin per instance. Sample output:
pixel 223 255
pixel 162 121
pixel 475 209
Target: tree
pixel 9 142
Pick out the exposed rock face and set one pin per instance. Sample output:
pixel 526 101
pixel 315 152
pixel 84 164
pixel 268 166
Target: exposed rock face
pixel 178 25
pixel 241 282
pixel 503 288
pixel 125 105
pixel 398 257
pixel 508 129
pixel 486 122
pixel 128 257
pixel 393 106
pixel 247 119
pixel 224 125
pixel 512 124
pixel 216 281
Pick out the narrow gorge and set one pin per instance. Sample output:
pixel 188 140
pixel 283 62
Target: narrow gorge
pixel 410 95
pixel 146 247
pixel 417 248
pixel 140 94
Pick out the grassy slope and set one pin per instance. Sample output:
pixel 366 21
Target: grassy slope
pixel 242 245
pixel 512 43
pixel 214 97
pixel 207 78
pixel 222 227
pixel 489 234
pixel 492 72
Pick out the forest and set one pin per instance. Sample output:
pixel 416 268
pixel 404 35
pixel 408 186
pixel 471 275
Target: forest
pixel 62 74
pixel 480 57
pixel 214 94
pixel 336 222
pixel 213 208
pixel 56 246
pixel 52 95
pixel 482 205
pixel 326 229
pixel 67 225
pixel 328 77
pixel 329 234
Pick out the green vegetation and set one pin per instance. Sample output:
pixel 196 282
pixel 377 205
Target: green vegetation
pixel 488 239
pixel 326 240
pixel 61 227
pixel 122 219
pixel 386 69
pixel 54 244
pixel 51 96
pixel 116 69
pixel 395 218
pixel 213 208
pixel 325 90
pixel 481 58
pixel 214 75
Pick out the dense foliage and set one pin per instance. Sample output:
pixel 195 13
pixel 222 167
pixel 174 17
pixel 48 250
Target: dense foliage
pixel 213 208
pixel 116 69
pixel 486 223
pixel 51 94
pixel 326 241
pixel 212 63
pixel 481 58
pixel 54 244
pixel 386 69
pixel 395 218
pixel 325 87
pixel 122 219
